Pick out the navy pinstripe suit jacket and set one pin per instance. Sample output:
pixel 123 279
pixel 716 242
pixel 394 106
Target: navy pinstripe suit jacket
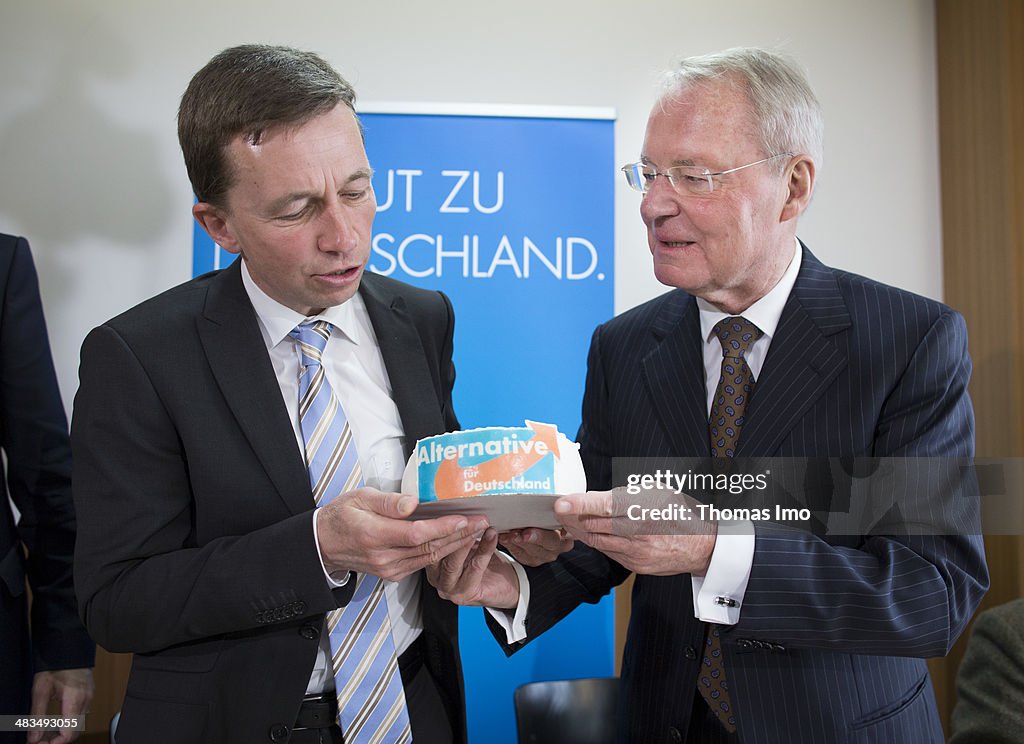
pixel 833 631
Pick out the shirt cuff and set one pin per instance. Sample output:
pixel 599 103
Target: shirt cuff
pixel 718 595
pixel 340 578
pixel 514 623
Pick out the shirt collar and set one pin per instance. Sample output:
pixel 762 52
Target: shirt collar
pixel 766 312
pixel 278 320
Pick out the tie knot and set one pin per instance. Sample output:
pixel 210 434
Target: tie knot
pixel 737 335
pixel 312 336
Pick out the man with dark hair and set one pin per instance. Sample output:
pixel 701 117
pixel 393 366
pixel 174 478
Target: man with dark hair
pixel 48 656
pixel 758 631
pixel 222 102
pixel 232 433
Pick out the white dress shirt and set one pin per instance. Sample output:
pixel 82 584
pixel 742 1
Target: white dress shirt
pixel 731 559
pixel 354 367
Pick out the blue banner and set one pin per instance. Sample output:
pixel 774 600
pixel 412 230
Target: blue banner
pixel 512 217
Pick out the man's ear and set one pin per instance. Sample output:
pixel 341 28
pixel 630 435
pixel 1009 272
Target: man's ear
pixel 214 221
pixel 800 184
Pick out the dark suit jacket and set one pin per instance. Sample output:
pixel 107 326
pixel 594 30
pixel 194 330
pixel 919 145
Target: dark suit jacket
pixel 990 682
pixel 822 651
pixel 34 436
pixel 196 549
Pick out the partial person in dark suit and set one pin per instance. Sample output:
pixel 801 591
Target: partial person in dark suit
pixel 990 681
pixel 200 548
pixel 757 631
pixel 49 657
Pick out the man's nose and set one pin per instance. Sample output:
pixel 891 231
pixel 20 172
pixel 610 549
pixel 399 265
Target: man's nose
pixel 336 231
pixel 660 200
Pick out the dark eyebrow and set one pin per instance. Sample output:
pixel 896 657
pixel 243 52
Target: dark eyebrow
pixel 279 204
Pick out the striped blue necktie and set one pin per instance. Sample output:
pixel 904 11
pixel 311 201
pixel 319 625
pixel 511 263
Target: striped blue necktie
pixel 371 699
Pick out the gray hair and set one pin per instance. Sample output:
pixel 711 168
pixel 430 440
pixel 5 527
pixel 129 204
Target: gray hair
pixel 786 112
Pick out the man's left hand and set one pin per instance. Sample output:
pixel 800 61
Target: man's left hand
pixel 476 576
pixel 535 547
pixel 599 519
pixel 72 689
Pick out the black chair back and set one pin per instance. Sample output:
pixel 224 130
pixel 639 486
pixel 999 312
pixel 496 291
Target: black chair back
pixel 570 711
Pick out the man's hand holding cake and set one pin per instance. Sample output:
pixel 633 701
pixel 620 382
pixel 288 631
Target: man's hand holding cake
pixel 602 520
pixel 477 576
pixel 379 538
pixel 535 547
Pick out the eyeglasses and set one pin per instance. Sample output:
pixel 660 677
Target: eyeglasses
pixel 685 179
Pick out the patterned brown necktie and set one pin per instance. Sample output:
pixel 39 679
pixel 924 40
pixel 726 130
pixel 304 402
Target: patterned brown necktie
pixel 735 384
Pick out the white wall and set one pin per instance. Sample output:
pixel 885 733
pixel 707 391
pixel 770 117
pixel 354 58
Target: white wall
pixel 90 169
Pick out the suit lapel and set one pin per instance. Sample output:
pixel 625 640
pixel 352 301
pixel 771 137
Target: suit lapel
pixel 230 334
pixel 674 374
pixel 802 360
pixel 412 386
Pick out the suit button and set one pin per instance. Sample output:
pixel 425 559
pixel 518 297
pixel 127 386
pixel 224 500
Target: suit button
pixel 279 732
pixel 689 653
pixel 299 607
pixel 744 643
pixel 674 735
pixel 309 632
